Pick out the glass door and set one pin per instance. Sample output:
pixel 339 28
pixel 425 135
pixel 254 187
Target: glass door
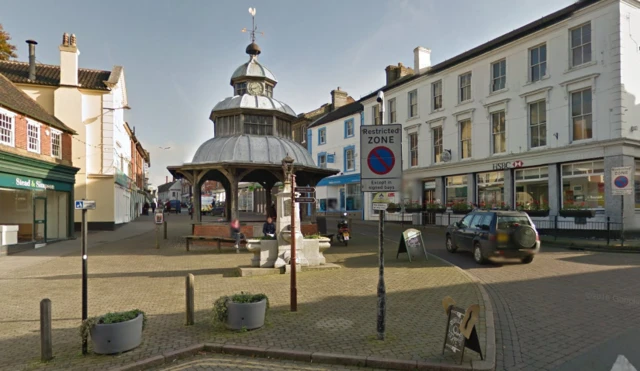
pixel 40 219
pixel 429 196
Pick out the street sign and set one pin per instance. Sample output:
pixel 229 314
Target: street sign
pixel 305 200
pixel 381 160
pixel 621 183
pixel 380 206
pixel 85 205
pixel 305 189
pixel 382 197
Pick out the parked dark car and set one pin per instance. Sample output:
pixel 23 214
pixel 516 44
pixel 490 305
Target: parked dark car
pixel 495 234
pixel 173 206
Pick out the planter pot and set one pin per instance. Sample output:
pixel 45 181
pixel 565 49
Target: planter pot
pixel 578 213
pixel 246 315
pixel 393 209
pixel 118 337
pixel 461 212
pixel 412 210
pixel 537 212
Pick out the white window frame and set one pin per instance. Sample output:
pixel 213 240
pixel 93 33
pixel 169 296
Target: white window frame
pixel 58 133
pixel 413 150
pixel 435 144
pixel 30 125
pixel 322 139
pixel 393 114
pixel 539 64
pixel 463 88
pixel 499 78
pixel 461 140
pixel 503 132
pixel 9 118
pixel 582 46
pixel 322 164
pixel 582 113
pixel 375 114
pixel 539 124
pixel 434 99
pixel 411 105
pixel 350 157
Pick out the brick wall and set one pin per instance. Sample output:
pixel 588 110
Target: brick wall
pixel 21 132
pixel 45 141
pixel 66 146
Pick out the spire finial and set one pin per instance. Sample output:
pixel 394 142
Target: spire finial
pixel 253 48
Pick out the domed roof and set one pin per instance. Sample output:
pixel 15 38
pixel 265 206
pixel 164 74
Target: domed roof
pixel 253 101
pixel 255 149
pixel 253 69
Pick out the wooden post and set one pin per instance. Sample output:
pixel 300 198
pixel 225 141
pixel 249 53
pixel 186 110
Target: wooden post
pixel 190 299
pixel 157 238
pixel 165 229
pixel 46 344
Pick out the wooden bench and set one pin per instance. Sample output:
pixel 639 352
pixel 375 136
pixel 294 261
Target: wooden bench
pixel 219 240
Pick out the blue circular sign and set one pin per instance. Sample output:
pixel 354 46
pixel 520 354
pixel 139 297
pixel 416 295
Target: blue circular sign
pixel 621 181
pixel 381 160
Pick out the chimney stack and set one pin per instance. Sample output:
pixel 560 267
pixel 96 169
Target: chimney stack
pixel 69 60
pixel 338 98
pixel 421 59
pixel 32 59
pixel 396 72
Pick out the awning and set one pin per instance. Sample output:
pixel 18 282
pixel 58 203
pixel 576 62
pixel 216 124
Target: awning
pixel 340 179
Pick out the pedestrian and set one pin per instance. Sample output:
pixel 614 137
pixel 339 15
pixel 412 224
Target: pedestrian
pixel 272 210
pixel 235 233
pixel 153 207
pixel 268 228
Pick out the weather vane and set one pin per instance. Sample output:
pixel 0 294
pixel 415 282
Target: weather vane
pixel 254 28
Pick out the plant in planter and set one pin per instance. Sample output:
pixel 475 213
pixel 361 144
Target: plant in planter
pixel 115 332
pixel 412 207
pixel 434 207
pixel 460 207
pixel 534 208
pixel 392 208
pixel 577 210
pixel 243 311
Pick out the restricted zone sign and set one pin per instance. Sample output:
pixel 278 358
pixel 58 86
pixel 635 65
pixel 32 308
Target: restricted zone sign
pixel 381 158
pixel 620 181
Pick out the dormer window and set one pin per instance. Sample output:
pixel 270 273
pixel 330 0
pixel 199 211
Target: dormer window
pixel 269 91
pixel 241 88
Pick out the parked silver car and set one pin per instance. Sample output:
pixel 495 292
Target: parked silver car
pixel 495 233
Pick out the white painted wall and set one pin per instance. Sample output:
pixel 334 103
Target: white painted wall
pixel 336 142
pixel 601 75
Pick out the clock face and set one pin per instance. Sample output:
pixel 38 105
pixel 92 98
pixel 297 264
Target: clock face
pixel 254 88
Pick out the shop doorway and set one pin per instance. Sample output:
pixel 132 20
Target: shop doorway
pixel 429 196
pixel 40 219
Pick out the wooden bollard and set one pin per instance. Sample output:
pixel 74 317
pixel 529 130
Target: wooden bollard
pixel 189 283
pixel 165 229
pixel 46 344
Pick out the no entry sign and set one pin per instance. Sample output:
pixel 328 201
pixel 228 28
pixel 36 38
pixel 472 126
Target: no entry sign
pixel 620 181
pixel 381 158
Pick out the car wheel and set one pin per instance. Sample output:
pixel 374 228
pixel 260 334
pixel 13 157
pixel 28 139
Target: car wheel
pixel 527 260
pixel 477 254
pixel 450 246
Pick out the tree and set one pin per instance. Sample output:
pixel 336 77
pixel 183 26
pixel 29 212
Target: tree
pixel 7 50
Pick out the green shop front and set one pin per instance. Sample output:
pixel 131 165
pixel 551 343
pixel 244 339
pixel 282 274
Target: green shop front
pixel 37 196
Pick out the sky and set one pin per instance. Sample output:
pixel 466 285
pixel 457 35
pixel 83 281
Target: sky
pixel 178 56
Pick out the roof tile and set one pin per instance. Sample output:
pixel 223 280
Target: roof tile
pixel 46 74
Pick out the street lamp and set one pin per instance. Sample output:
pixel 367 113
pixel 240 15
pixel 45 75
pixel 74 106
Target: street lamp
pixel 287 168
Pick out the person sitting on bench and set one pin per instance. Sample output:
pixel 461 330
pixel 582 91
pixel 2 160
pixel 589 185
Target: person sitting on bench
pixel 235 233
pixel 268 228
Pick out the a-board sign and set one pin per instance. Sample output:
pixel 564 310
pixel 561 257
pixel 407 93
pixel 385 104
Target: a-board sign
pixel 159 219
pixel 461 329
pixel 412 244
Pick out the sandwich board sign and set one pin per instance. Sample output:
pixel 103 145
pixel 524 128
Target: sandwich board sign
pixel 381 159
pixel 412 244
pixel 461 328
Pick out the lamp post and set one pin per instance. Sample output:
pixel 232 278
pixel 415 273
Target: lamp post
pixel 287 167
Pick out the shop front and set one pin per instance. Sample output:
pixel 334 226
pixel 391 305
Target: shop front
pixel 340 193
pixel 41 208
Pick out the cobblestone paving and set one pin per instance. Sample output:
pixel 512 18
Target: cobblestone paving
pixel 224 362
pixel 564 304
pixel 336 309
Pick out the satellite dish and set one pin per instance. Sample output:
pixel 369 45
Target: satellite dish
pixel 446 155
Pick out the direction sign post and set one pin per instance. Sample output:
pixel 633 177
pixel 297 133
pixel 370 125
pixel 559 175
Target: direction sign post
pixel 621 185
pixel 84 205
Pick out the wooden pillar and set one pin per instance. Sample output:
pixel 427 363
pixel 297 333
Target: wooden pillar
pixel 234 199
pixel 197 201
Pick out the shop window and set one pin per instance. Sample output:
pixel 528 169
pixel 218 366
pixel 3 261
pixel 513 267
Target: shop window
pixel 532 188
pixel 491 189
pixel 17 209
pixel 354 197
pixel 456 187
pixel 637 185
pixel 583 185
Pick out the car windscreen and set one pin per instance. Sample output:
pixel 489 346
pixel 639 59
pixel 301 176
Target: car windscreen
pixel 512 221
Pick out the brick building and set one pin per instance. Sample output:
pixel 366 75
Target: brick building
pixel 36 173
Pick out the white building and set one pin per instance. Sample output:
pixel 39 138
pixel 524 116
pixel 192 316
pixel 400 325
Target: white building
pixel 540 114
pixel 169 191
pixel 332 141
pixel 91 102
